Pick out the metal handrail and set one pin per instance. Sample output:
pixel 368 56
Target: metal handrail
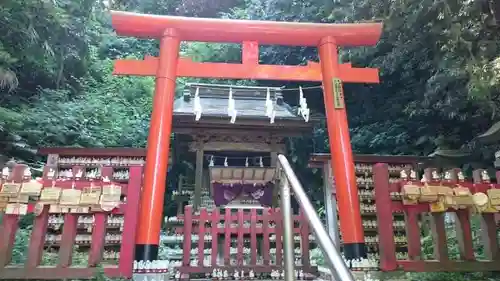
pixel 337 266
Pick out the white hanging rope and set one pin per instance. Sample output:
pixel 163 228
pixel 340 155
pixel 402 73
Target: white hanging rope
pixel 197 109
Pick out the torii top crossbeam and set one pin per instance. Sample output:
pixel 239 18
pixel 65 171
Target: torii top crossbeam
pixel 237 31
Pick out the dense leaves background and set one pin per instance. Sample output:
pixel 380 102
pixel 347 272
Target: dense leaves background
pixel 439 63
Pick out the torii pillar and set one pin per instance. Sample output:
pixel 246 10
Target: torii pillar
pixel 172 30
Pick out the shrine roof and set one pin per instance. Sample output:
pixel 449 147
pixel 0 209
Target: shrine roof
pixel 250 102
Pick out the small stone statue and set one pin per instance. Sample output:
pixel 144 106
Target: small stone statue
pixel 460 176
pixel 484 176
pixel 403 175
pixel 435 176
pixel 413 175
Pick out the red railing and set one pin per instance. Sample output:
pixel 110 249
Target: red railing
pixel 244 225
pixel 32 268
pixel 414 216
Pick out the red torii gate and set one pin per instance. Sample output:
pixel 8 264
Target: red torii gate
pixel 168 66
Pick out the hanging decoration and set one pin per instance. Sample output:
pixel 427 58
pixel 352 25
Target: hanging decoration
pixel 270 107
pixel 303 109
pixel 270 110
pixel 231 107
pixel 249 161
pixel 197 109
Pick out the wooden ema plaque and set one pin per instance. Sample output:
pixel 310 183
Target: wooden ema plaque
pixel 90 197
pixel 16 209
pixel 10 189
pixel 70 200
pixel 19 199
pixel 50 195
pixel 110 197
pixel 31 188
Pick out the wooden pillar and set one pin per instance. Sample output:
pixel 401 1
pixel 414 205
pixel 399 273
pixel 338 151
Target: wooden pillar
pixel 341 152
pixel 158 148
pixel 198 180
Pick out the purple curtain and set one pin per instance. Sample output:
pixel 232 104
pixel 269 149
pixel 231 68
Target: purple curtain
pixel 225 193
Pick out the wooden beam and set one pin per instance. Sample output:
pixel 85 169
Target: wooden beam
pixel 237 31
pixel 188 68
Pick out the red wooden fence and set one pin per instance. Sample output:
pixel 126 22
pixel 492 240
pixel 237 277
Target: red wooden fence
pixel 244 224
pixel 32 269
pixel 414 215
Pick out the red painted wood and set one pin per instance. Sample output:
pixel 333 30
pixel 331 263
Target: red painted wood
pixel 53 273
pixel 438 229
pixel 489 237
pixel 265 231
pixel 98 236
pixel 464 235
pixel 449 266
pixel 383 204
pixel 413 233
pixel 37 239
pixel 234 230
pixel 201 236
pixel 64 270
pixel 304 238
pixel 131 220
pixel 227 237
pixel 215 235
pixel 7 238
pixel 67 240
pixel 441 260
pixel 277 218
pixel 188 224
pixel 241 234
pixel 239 253
pixel 94 152
pixel 253 236
pixel 10 222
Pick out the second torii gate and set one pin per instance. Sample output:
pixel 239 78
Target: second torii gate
pixel 168 66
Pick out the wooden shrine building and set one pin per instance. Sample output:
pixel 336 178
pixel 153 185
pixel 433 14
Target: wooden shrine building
pixel 242 151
